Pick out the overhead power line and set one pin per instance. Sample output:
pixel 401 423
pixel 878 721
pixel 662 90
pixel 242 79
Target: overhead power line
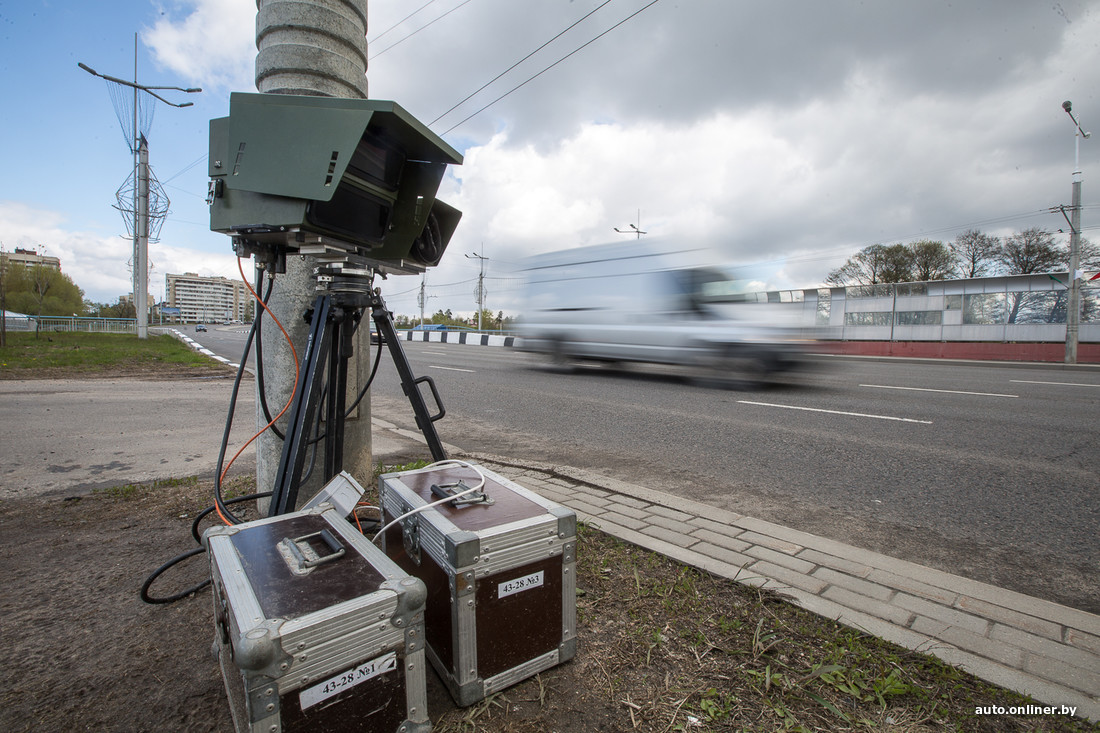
pixel 398 23
pixel 405 38
pixel 483 86
pixel 563 58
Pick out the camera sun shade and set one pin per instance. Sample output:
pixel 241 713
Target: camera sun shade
pixel 312 175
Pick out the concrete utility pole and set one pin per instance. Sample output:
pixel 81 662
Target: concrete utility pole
pixel 1073 307
pixel 313 48
pixel 480 283
pixel 139 146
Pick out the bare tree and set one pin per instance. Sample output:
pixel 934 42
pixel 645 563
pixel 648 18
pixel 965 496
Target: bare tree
pixel 878 263
pixel 975 253
pixel 1030 251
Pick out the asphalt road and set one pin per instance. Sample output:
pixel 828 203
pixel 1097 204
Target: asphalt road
pixel 985 470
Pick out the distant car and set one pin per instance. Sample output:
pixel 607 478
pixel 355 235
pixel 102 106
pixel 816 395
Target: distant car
pixel 199 327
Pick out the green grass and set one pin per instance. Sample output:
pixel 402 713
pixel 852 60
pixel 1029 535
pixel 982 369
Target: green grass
pixel 94 353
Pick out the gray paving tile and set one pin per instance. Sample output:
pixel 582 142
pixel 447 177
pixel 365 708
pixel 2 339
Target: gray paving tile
pixel 1008 616
pixel 1044 646
pixel 788 577
pixel 968 640
pixel 671 524
pixel 772 542
pixel 937 612
pixel 619 508
pixel 779 558
pixel 717 538
pixel 734 559
pixel 855 569
pixel 870 606
pixel 665 511
pixel 671 536
pixel 863 587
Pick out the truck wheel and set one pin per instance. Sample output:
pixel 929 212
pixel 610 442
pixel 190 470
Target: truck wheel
pixel 733 367
pixel 559 358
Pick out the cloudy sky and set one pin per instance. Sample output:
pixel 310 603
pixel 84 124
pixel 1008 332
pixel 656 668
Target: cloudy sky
pixel 787 134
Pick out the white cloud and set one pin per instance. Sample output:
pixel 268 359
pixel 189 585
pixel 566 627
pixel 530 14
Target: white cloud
pixel 100 265
pixel 213 45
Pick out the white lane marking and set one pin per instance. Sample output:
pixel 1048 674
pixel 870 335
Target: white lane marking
pixel 451 369
pixel 836 412
pixel 944 391
pixel 437 353
pixel 1060 384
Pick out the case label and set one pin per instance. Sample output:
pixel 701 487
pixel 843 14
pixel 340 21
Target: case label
pixel 527 582
pixel 346 680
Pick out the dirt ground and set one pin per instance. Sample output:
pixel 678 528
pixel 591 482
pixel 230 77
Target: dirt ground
pixel 662 647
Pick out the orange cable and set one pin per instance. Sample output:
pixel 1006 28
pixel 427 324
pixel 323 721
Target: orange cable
pixel 286 407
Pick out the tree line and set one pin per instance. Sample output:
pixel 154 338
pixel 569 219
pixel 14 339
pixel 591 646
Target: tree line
pixel 972 254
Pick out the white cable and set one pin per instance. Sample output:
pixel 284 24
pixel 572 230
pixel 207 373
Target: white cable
pixel 451 461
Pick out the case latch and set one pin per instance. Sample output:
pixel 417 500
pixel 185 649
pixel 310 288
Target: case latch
pixel 473 497
pixel 410 537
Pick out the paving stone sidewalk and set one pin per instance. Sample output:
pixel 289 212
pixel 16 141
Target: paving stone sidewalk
pixel 1033 646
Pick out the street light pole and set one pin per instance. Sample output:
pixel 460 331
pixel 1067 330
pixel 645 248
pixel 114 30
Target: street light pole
pixel 1073 307
pixel 480 284
pixel 140 149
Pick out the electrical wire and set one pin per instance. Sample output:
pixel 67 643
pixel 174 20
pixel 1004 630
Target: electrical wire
pixel 563 58
pixel 486 84
pixel 395 25
pixel 405 38
pixel 223 512
pixel 144 593
pixel 437 464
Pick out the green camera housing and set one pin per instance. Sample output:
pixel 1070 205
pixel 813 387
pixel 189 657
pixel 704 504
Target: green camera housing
pixel 304 174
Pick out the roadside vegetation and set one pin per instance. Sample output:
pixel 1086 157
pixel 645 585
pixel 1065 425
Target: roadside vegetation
pixel 63 354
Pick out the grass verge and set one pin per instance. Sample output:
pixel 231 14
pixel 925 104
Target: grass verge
pixel 65 354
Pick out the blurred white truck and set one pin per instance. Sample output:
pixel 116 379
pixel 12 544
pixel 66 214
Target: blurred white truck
pixel 647 301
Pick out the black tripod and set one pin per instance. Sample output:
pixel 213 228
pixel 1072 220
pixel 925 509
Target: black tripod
pixel 335 315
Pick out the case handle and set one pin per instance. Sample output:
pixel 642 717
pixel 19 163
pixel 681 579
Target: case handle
pixel 304 561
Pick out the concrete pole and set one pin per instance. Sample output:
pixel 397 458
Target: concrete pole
pixel 316 48
pixel 1073 306
pixel 141 236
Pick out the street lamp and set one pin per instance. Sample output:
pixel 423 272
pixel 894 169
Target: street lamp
pixel 140 149
pixel 636 230
pixel 480 284
pixel 1073 307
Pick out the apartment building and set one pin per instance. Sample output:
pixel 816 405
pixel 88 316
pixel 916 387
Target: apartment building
pixel 208 299
pixel 28 258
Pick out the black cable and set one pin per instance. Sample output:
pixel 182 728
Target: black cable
pixel 219 503
pixel 144 593
pixel 260 388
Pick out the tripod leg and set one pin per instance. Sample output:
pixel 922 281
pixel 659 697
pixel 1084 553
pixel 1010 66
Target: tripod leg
pixel 284 493
pixel 342 330
pixel 383 319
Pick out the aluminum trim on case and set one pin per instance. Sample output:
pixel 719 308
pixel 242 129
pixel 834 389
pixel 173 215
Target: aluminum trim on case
pixel 568 601
pixel 416 691
pixel 242 600
pixel 465 641
pixel 513 556
pixel 505 536
pixel 521 672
